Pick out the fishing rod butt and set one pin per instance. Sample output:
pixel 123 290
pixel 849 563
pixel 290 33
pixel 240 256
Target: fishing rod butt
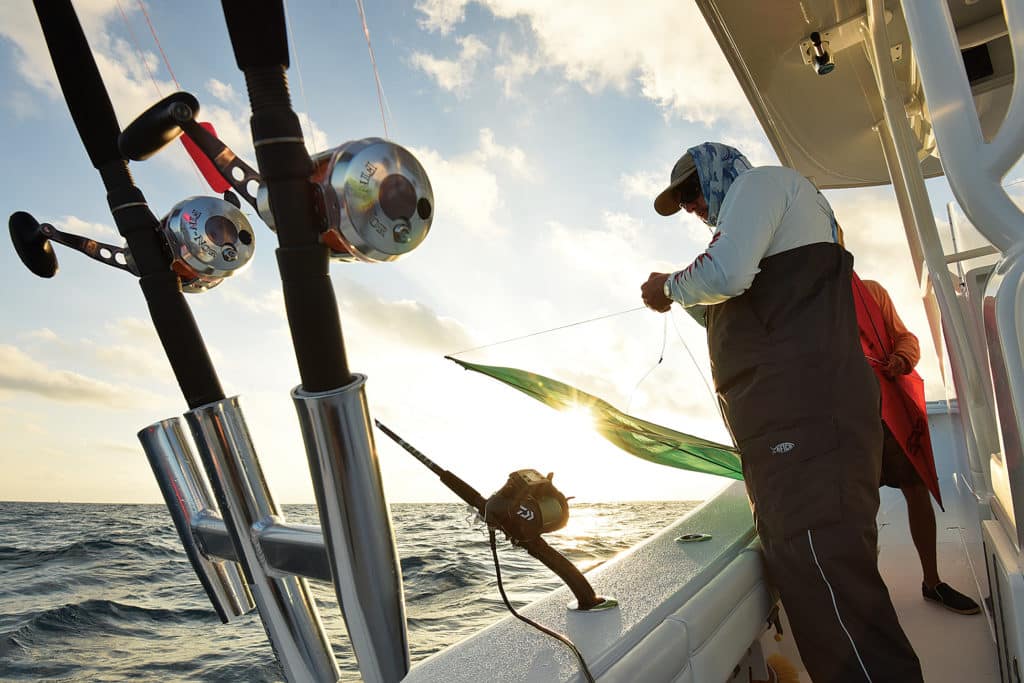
pixel 356 523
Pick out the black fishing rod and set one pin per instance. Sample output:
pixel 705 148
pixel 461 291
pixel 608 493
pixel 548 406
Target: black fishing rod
pixel 149 240
pixel 260 43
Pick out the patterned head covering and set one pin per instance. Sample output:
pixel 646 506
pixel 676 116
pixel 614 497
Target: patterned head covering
pixel 718 166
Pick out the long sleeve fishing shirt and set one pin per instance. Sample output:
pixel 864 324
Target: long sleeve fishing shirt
pixel 767 210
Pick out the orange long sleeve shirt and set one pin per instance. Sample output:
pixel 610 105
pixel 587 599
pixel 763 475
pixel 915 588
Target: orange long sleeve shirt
pixel 904 341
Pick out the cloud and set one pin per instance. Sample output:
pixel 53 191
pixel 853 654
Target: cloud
pixel 270 301
pixel 511 157
pixel 441 15
pixel 453 75
pixel 21 372
pixel 129 348
pixel 224 92
pixel 466 191
pixel 662 47
pixel 406 324
pixel 514 66
pixel 44 335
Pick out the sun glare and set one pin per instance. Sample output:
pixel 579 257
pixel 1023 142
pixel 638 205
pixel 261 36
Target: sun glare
pixel 578 419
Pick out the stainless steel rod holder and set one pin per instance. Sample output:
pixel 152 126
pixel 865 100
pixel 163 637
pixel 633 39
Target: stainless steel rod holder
pixel 287 548
pixel 189 499
pixel 286 605
pixel 356 523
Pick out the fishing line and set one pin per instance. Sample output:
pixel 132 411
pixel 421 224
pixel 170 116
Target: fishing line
pixel 160 47
pixel 517 615
pixel 298 70
pixel 661 357
pixel 553 329
pixel 373 62
pixel 138 51
pixel 707 385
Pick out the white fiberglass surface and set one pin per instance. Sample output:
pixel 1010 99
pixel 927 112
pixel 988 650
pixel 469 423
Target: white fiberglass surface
pixel 650 581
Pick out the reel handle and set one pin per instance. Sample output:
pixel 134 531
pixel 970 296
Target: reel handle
pixel 243 178
pixel 158 126
pixel 32 241
pixel 33 247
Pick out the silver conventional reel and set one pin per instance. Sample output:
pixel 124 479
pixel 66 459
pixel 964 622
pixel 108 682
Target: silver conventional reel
pixel 207 239
pixel 210 239
pixel 376 201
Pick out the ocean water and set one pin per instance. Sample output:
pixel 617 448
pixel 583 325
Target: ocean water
pixel 105 592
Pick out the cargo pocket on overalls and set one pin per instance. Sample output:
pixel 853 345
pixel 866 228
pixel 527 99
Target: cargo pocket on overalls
pixel 793 474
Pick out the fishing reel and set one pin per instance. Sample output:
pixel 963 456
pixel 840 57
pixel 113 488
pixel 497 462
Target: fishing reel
pixel 373 197
pixel 527 506
pixel 207 239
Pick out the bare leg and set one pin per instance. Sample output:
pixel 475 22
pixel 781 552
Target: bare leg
pixel 921 516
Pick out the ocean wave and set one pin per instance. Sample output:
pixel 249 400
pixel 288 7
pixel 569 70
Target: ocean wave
pixel 96 616
pixel 31 557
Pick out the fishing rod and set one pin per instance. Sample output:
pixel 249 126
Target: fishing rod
pixel 525 508
pixel 198 244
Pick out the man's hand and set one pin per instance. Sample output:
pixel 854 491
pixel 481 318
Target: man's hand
pixel 653 293
pixel 897 365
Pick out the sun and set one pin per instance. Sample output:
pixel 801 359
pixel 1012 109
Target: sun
pixel 577 419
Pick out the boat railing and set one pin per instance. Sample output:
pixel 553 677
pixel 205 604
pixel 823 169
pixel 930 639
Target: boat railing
pixel 975 168
pixel 948 321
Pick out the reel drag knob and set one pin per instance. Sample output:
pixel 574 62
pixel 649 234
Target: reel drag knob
pixel 33 248
pixel 210 239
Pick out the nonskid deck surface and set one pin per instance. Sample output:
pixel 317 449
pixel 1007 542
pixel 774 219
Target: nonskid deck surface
pixel 953 648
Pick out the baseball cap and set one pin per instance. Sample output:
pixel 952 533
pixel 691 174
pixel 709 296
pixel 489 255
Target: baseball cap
pixel 666 203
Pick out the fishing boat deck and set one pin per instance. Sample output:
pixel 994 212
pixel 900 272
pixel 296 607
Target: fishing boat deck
pixel 951 647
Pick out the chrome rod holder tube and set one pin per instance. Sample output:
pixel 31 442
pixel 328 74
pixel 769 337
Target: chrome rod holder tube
pixel 189 499
pixel 356 525
pixel 287 548
pixel 286 604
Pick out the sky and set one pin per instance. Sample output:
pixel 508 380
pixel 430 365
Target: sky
pixel 546 130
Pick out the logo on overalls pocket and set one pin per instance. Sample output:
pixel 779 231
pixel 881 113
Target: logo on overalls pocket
pixel 784 447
